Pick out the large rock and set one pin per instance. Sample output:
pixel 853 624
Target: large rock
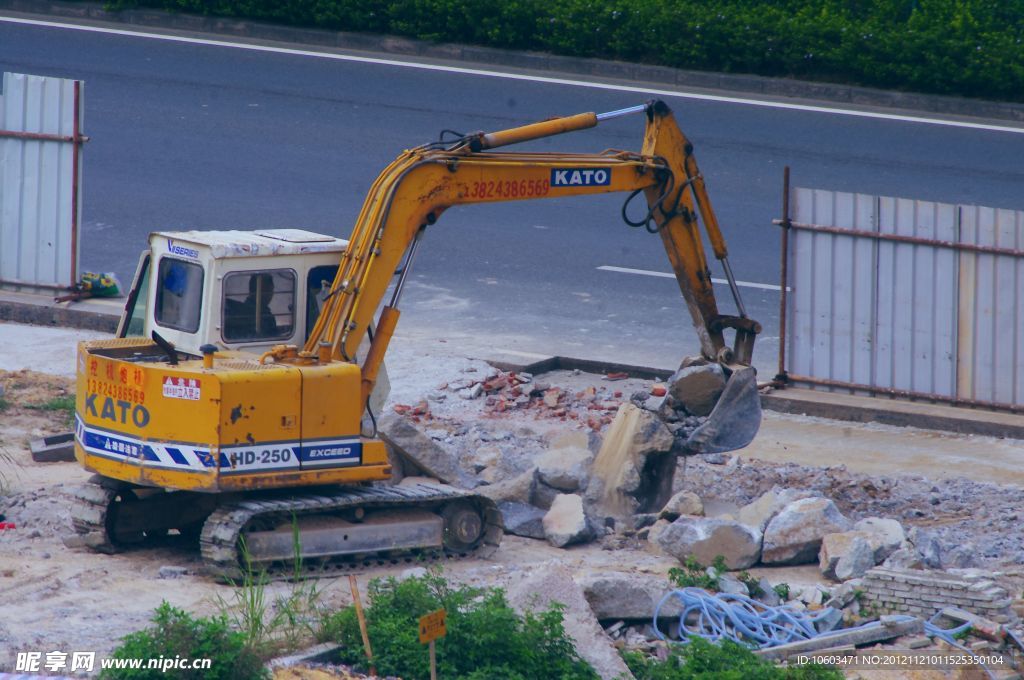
pixel 761 511
pixel 636 444
pixel 628 596
pixel 683 503
pixel 704 539
pixel 794 535
pixel 566 523
pixel 519 488
pixel 565 469
pixel 423 452
pixel 522 519
pixel 846 555
pixel 549 584
pixel 926 547
pixel 697 388
pixel 886 536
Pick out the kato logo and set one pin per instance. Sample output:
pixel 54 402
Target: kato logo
pixel 580 177
pixel 117 411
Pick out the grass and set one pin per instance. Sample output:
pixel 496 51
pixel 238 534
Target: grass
pixel 6 461
pixel 280 624
pixel 65 402
pixel 700 659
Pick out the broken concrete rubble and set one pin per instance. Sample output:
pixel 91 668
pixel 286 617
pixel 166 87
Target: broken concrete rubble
pixel 846 555
pixel 697 388
pixel 629 596
pixel 794 535
pixel 566 469
pixel 519 488
pixel 422 452
pixel 522 519
pixel 683 503
pixel 761 511
pixel 704 539
pixel 566 522
pixel 886 536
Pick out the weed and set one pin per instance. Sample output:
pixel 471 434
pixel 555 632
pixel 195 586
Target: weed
pixel 485 639
pixel 64 402
pixel 704 660
pixel 782 590
pixel 6 462
pixel 285 623
pixel 696 575
pixel 4 404
pixel 175 634
pixel 753 585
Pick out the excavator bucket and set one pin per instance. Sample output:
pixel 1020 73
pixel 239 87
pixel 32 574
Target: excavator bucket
pixel 735 419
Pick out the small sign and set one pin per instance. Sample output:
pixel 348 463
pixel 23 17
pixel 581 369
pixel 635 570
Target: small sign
pixel 432 626
pixel 181 388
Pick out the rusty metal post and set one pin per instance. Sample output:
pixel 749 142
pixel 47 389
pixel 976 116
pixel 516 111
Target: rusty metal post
pixel 780 377
pixel 362 621
pixel 76 142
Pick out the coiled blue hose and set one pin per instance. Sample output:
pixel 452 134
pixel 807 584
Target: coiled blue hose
pixel 718 616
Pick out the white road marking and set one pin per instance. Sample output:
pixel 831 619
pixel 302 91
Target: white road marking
pixel 520 76
pixel 669 275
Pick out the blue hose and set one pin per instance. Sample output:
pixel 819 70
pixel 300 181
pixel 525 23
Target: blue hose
pixel 724 616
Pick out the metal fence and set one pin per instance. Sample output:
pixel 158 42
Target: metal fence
pixel 40 181
pixel 902 297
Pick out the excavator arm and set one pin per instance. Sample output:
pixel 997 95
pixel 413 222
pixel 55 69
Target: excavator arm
pixel 419 185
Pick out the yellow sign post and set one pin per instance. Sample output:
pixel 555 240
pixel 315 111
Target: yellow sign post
pixel 432 626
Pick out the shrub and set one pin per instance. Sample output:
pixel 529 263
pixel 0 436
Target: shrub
pixel 177 634
pixel 966 47
pixel 485 637
pixel 703 660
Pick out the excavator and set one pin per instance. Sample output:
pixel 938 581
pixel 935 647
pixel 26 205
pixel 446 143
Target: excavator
pixel 237 406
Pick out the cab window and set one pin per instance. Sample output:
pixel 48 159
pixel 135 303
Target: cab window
pixel 318 286
pixel 179 295
pixel 259 305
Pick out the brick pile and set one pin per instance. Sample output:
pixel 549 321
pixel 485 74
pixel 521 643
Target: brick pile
pixel 922 593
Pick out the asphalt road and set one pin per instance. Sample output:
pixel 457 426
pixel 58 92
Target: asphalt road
pixel 201 136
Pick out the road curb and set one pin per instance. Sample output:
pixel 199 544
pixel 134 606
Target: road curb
pixel 758 86
pixel 19 308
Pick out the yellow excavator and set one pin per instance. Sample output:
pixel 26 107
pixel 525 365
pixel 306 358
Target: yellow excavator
pixel 266 456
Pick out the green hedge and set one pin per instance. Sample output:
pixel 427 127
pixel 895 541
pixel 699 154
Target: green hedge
pixel 962 47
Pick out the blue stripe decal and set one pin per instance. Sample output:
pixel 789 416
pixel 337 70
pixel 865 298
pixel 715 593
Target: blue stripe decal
pixel 176 456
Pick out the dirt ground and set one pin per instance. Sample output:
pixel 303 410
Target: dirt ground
pixel 56 598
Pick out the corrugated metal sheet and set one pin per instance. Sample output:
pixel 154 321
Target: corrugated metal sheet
pixel 37 210
pixel 917 315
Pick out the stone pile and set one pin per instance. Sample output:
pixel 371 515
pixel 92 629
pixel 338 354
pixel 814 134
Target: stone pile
pixel 789 527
